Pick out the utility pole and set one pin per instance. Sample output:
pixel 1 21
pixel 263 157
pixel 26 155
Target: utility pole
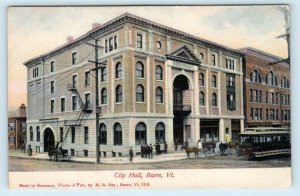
pixel 96 69
pixel 285 10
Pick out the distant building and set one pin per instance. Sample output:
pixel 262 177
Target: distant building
pixel 17 129
pixel 159 85
pixel 267 90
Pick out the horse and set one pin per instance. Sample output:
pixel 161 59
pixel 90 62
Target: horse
pixel 234 148
pixel 194 150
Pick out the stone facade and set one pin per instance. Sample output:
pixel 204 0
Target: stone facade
pixel 267 92
pixel 159 85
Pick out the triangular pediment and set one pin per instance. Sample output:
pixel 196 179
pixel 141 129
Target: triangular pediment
pixel 185 55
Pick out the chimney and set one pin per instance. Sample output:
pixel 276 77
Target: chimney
pixel 22 110
pixel 70 39
pixel 95 25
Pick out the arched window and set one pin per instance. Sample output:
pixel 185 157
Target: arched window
pixel 255 76
pixel 139 70
pixel 159 95
pixel 119 70
pixel 158 73
pixel 103 134
pixel 103 74
pixel 38 134
pixel 31 134
pixel 271 79
pixel 202 79
pixel 284 83
pixel 119 94
pixel 214 99
pixel 160 133
pixel 202 98
pixel 140 134
pixel 139 93
pixel 117 134
pixel 214 81
pixel 104 96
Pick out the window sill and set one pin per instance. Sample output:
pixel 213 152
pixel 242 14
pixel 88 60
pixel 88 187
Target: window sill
pixel 118 102
pixel 140 102
pixel 162 103
pixel 116 79
pixel 140 78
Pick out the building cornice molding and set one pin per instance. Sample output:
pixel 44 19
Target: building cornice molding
pixel 130 18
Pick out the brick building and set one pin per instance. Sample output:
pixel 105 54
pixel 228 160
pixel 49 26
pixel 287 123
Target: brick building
pixel 17 129
pixel 159 85
pixel 267 92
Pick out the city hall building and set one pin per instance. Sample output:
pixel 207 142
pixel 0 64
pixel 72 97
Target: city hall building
pixel 157 84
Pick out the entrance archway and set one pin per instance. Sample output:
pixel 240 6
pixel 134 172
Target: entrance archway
pixel 49 140
pixel 181 106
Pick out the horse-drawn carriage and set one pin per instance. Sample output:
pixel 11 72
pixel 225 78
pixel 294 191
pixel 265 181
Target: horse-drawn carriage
pixel 58 153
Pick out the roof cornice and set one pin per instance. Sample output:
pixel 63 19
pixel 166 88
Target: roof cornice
pixel 127 17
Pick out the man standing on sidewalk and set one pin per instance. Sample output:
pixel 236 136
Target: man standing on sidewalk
pixel 130 153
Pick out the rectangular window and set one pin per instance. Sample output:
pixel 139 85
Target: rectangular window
pixel 61 134
pixel 139 41
pixel 74 81
pixel 272 114
pixel 213 59
pixel 52 87
pixel 52 66
pixel 106 46
pixel 111 46
pixel 251 95
pixel 72 152
pixel 73 135
pixel 267 114
pixel 35 72
pixel 87 80
pixel 88 101
pixel 251 114
pixel 52 106
pixel 74 58
pixel 231 104
pixel 230 64
pixel 86 135
pixel 260 114
pixel 260 96
pixel 62 104
pixel 267 98
pixel 115 42
pixel 74 103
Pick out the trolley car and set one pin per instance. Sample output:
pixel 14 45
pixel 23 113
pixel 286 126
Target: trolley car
pixel 264 142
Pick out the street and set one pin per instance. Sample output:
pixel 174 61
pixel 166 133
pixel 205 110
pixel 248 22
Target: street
pixel 213 162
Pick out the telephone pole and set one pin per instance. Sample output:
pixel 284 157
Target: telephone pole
pixel 96 69
pixel 285 10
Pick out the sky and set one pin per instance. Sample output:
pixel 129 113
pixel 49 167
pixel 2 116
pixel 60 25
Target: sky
pixel 33 31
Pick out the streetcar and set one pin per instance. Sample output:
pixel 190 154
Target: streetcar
pixel 262 142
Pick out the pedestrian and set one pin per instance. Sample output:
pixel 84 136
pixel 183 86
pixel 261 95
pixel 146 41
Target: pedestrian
pixel 151 151
pixel 199 145
pixel 186 143
pixel 227 137
pixel 142 151
pixel 130 153
pixel 166 147
pixel 157 148
pixel 29 150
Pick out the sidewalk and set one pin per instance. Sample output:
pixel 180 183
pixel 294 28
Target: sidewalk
pixel 178 155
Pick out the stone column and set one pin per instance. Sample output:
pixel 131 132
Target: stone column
pixel 242 125
pixel 221 130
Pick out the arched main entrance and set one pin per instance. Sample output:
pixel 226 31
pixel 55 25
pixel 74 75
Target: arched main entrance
pixel 181 106
pixel 49 140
